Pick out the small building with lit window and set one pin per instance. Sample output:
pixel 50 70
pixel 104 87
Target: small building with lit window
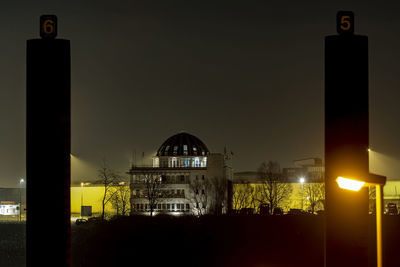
pixel 183 179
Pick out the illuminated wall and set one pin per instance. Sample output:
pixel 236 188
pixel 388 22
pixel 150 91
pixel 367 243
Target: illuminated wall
pixel 92 196
pixel 391 193
pixel 293 201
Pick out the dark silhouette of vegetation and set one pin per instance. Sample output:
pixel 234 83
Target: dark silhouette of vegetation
pixel 120 199
pixel 314 194
pixel 108 178
pixel 274 188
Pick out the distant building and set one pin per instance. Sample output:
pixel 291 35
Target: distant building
pixel 10 199
pixel 190 179
pixel 9 208
pixel 311 169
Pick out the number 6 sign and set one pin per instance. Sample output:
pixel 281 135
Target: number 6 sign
pixel 48 26
pixel 345 22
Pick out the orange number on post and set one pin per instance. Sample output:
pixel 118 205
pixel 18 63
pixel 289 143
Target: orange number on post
pixel 48 26
pixel 345 23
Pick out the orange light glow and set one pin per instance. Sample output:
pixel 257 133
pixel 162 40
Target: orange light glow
pixel 349 184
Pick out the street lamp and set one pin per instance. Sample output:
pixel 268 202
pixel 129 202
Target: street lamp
pixel 21 181
pixel 302 182
pixel 370 180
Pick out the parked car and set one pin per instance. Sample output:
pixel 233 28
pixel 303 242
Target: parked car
pixel 95 219
pixel 391 209
pixel 80 221
pixel 277 211
pixel 246 211
pixel 320 212
pixel 297 212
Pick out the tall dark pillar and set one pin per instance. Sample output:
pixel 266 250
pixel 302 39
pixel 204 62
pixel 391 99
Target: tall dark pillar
pixel 48 150
pixel 346 145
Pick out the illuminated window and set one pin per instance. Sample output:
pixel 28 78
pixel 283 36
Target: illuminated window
pixel 185 150
pixel 204 162
pixel 194 150
pixel 174 162
pixel 175 150
pixel 196 162
pixel 156 162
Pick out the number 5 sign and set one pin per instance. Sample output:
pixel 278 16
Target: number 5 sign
pixel 345 22
pixel 48 26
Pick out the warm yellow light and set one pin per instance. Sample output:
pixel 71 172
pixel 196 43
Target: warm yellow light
pixel 349 184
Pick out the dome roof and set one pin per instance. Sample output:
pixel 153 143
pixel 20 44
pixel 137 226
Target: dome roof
pixel 183 144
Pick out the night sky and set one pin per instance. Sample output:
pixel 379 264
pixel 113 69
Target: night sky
pixel 245 74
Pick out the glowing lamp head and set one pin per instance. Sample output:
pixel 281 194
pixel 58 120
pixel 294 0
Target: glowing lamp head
pixel 349 184
pixel 302 180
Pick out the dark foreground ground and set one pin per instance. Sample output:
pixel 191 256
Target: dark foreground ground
pixel 208 241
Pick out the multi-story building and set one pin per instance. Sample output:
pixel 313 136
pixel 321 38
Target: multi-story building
pixel 184 178
pixel 309 169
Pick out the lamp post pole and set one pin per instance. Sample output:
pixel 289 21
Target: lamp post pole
pixel 20 205
pixel 355 185
pixel 379 225
pixel 302 182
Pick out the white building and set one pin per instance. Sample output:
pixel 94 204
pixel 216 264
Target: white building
pixel 9 208
pixel 185 178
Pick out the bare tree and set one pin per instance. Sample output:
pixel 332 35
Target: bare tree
pixel 153 190
pixel 120 199
pixel 315 195
pixel 219 189
pixel 243 196
pixel 108 178
pixel 200 191
pixel 274 189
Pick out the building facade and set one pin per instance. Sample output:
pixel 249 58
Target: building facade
pixel 185 178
